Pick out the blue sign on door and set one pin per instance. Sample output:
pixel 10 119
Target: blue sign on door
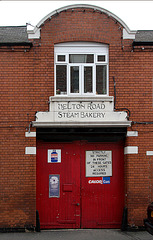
pixel 106 180
pixel 54 155
pixel 54 185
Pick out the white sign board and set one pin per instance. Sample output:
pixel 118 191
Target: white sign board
pixel 81 111
pixel 54 155
pixel 84 110
pixel 98 163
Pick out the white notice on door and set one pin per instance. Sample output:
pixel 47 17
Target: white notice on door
pixel 98 163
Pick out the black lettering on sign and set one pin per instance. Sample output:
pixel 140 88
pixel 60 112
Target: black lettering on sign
pixel 96 106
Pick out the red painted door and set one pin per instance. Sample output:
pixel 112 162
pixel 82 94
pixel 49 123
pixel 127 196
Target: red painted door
pixel 102 200
pixel 58 185
pixel 79 201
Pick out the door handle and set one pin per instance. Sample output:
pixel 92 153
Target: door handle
pixel 77 204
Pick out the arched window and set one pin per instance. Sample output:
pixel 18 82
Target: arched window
pixel 81 69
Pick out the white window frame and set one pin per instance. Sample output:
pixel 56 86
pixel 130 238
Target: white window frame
pixel 81 48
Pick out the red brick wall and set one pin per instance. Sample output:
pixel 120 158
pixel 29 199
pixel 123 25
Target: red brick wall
pixel 27 81
pixel 138 175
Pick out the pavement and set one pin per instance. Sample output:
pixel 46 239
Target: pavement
pixel 79 234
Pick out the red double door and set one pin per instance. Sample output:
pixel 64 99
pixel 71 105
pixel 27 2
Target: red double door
pixel 67 197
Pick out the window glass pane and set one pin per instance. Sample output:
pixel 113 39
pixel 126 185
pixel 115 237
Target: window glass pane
pixel 101 58
pixel 101 86
pixel 61 58
pixel 81 58
pixel 61 76
pixel 74 79
pixel 87 79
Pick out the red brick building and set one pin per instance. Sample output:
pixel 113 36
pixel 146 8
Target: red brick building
pixel 76 121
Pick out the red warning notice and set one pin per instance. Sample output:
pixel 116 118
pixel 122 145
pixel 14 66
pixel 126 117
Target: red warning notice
pixel 95 180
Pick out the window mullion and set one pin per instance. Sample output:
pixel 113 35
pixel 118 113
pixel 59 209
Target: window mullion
pixel 82 79
pixel 68 79
pixel 94 79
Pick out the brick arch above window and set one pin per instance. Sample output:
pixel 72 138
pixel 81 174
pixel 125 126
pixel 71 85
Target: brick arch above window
pixel 35 33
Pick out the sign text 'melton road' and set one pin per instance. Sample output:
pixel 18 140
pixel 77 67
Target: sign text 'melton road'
pixel 81 106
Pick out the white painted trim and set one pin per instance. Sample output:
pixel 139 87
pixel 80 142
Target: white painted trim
pixel 81 99
pixel 127 34
pixel 35 33
pixel 30 150
pixel 149 153
pixel 81 47
pixel 131 150
pixel 30 134
pixel 83 124
pixel 132 134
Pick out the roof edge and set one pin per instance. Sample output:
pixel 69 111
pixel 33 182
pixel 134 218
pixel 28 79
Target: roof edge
pixel 142 43
pixel 25 26
pixel 16 44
